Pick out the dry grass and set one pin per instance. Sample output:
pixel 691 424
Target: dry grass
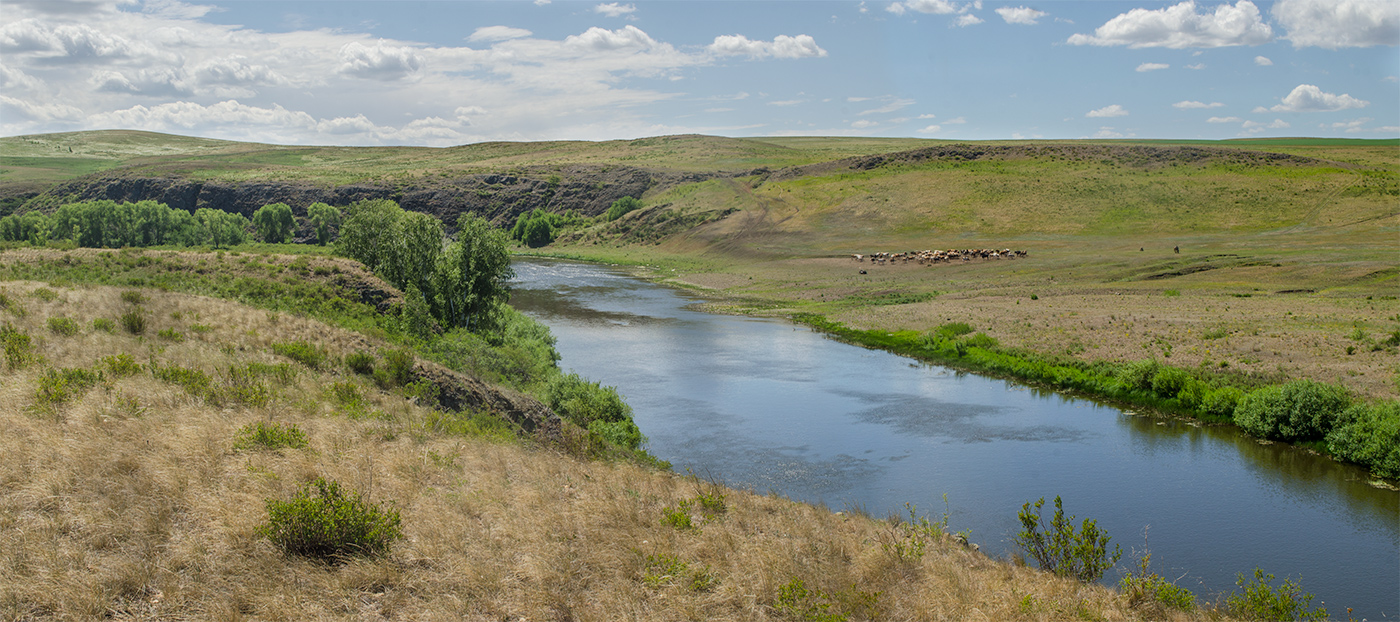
pixel 130 502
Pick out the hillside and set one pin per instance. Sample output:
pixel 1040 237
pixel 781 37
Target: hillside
pixel 133 485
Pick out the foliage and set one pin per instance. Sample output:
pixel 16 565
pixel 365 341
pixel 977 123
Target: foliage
pixel 170 334
pixel 797 601
pixel 134 321
pixel 415 317
pixel 274 222
pixel 1149 589
pixel 361 363
pixel 1060 549
pixel 58 386
pixel 194 381
pixel 1302 410
pixel 665 570
pixel 952 330
pixel 536 228
pixel 19 347
pixel 622 207
pixel 324 217
pixel 306 353
pixel 134 297
pixel 220 229
pixel 120 365
pixel 679 517
pixel 1262 601
pixel 264 435
pixel 108 224
pixel 103 324
pixel 397 370
pixel 1369 434
pixel 65 326
pixel 324 522
pixel 594 407
pixel 471 276
pixel 908 540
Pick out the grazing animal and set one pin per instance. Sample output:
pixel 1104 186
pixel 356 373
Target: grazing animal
pixel 1176 249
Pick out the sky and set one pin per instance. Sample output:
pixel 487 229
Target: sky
pixel 450 72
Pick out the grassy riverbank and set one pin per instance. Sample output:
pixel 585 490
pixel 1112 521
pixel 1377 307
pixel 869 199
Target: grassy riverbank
pixel 136 477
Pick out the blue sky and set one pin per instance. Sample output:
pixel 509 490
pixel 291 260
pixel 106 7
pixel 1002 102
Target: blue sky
pixel 449 72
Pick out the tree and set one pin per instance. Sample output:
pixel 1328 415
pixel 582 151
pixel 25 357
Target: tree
pixel 410 252
pixel 621 207
pixel 471 275
pixel 324 217
pixel 362 235
pixel 221 229
pixel 275 223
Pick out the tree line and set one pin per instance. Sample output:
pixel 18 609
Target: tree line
pixel 109 224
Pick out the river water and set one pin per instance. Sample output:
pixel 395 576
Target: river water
pixel 766 405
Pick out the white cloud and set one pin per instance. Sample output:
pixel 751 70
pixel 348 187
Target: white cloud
pixel 787 102
pixel 927 116
pixel 1020 15
pixel 1107 132
pixel 719 110
pixel 864 123
pixel 1387 129
pixel 957 121
pixel 498 33
pixel 13 79
pixel 381 62
pixel 932 129
pixel 1309 98
pixel 1180 26
pixel 151 82
pixel 935 7
pixel 966 20
pixel 615 9
pixel 1333 24
pixel 890 107
pixel 1107 111
pixel 19 109
pixel 1197 66
pixel 1145 67
pixel 236 71
pixel 1263 61
pixel 1224 120
pixel 782 46
pixel 68 43
pixel 857 99
pixel 603 40
pixel 1277 124
pixel 1189 104
pixel 541 2
pixel 1353 126
pixel 1390 79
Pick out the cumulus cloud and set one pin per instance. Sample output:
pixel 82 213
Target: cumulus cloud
pixel 1020 15
pixel 1196 66
pixel 966 20
pixel 957 121
pixel 497 33
pixel 935 7
pixel 13 79
pixel 1277 124
pixel 1351 127
pixel 1309 98
pixel 1189 104
pixel 237 71
pixel 1107 132
pixel 932 129
pixel 786 102
pixel 1333 24
pixel 68 42
pixel 1224 120
pixel 782 46
pixel 927 116
pixel 890 107
pixel 19 109
pixel 380 62
pixel 1180 26
pixel 1107 111
pixel 160 81
pixel 864 123
pixel 1145 67
pixel 615 9
pixel 1262 61
pixel 604 40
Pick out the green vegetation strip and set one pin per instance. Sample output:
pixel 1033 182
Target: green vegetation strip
pixel 1315 415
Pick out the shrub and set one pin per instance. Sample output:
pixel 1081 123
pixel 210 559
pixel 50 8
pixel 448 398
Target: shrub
pixel 45 294
pixel 668 570
pixel 809 605
pixel 361 363
pixel 326 523
pixel 133 297
pixel 103 324
pixel 171 334
pixel 981 340
pixel 622 207
pixel 584 403
pixel 621 433
pixel 63 326
pixel 263 435
pixel 134 321
pixel 678 517
pixel 1060 549
pixel 1171 293
pixel 1168 381
pixel 58 386
pixel 19 347
pixel 952 330
pixel 1302 410
pixel 397 370
pixel 1369 435
pixel 121 365
pixel 1138 374
pixel 1261 601
pixel 1221 402
pixel 1147 588
pixel 303 352
pixel 194 381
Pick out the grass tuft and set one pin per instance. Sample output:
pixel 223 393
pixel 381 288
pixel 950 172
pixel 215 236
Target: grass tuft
pixel 324 522
pixel 264 435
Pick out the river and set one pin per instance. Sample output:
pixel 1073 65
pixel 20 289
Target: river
pixel 767 405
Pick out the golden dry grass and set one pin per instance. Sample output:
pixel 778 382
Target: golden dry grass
pixel 130 503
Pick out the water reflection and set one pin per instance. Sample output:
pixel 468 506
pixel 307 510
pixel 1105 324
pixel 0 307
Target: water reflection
pixel 765 405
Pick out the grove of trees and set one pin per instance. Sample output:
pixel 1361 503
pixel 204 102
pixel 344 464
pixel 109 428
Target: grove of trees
pixel 109 224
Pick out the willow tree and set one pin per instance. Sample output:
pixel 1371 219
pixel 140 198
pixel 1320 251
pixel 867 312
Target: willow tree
pixel 472 273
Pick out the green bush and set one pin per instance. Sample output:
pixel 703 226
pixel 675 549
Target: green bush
pixel 1369 435
pixel 58 386
pixel 103 324
pixel 65 326
pixel 19 347
pixel 170 334
pixel 45 294
pixel 622 207
pixel 1147 588
pixel 1302 410
pixel 952 330
pixel 263 435
pixel 133 297
pixel 1081 554
pixel 121 365
pixel 397 370
pixel 134 321
pixel 303 352
pixel 1168 381
pixel 194 381
pixel 1221 402
pixel 620 433
pixel 361 363
pixel 1262 601
pixel 583 403
pixel 1138 375
pixel 981 340
pixel 326 523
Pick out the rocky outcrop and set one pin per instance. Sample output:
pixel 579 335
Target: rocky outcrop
pixel 460 392
pixel 499 197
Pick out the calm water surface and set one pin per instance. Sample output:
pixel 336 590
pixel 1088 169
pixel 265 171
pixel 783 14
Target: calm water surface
pixel 766 405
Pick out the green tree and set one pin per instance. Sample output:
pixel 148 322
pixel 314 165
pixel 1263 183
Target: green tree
pixel 221 229
pixel 471 275
pixel 275 223
pixel 362 235
pixel 621 207
pixel 410 251
pixel 324 217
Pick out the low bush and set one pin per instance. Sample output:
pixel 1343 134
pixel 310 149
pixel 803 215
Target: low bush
pixel 326 523
pixel 194 381
pixel 303 352
pixel 263 435
pixel 133 297
pixel 1262 601
pixel 663 570
pixel 18 346
pixel 1147 589
pixel 1168 381
pixel 952 330
pixel 397 370
pixel 45 294
pixel 134 321
pixel 58 386
pixel 1221 403
pixel 103 324
pixel 1369 435
pixel 1060 549
pixel 1302 410
pixel 1138 375
pixel 361 363
pixel 65 326
pixel 594 407
pixel 120 365
pixel 170 334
